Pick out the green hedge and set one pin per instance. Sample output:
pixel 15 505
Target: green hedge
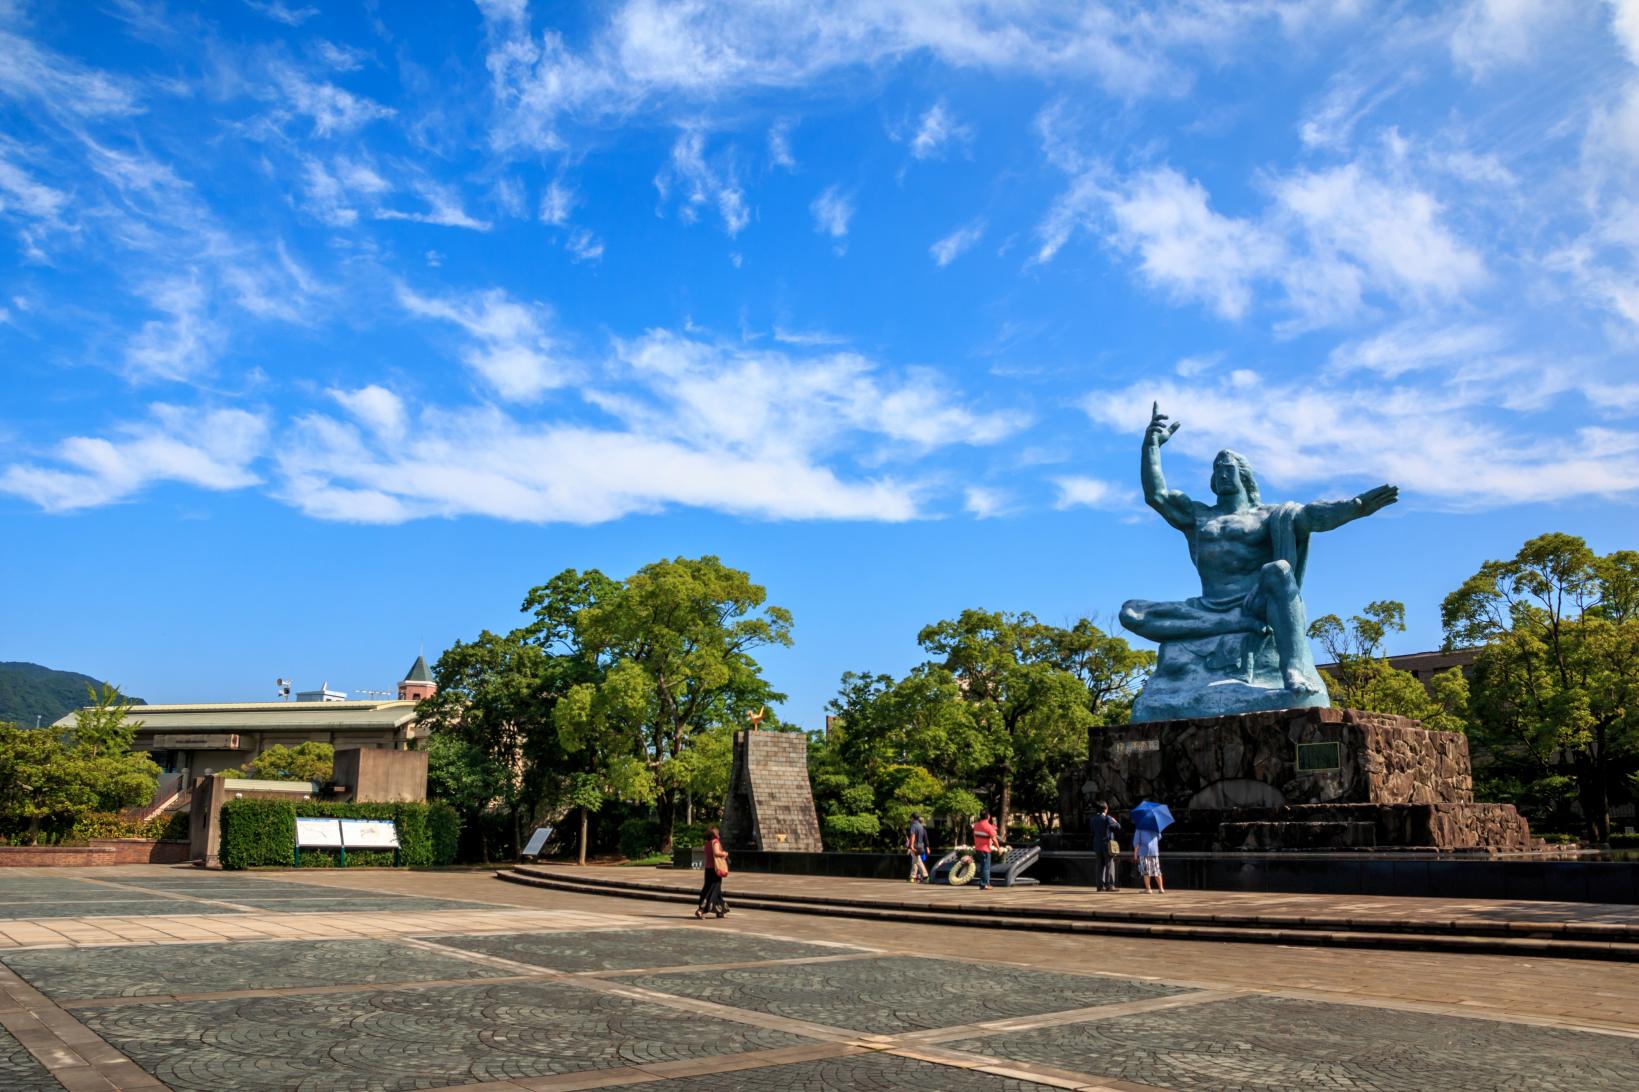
pixel 257 833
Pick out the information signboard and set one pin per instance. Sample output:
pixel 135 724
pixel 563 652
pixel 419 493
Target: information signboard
pixel 313 833
pixel 537 842
pixel 368 833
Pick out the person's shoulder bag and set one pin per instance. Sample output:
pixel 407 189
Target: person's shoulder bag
pixel 722 862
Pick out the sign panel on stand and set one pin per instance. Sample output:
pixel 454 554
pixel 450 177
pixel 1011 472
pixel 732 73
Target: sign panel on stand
pixel 369 833
pixel 537 842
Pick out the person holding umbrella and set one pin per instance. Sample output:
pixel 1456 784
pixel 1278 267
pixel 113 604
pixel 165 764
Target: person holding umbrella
pixel 1149 820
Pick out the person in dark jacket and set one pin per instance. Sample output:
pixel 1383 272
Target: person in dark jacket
pixel 1105 831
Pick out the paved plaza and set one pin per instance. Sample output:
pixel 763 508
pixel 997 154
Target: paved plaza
pixel 152 978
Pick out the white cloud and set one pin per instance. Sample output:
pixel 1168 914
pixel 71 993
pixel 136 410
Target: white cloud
pixel 1436 439
pixel 937 129
pixel 340 57
pixel 180 345
pixel 556 204
pixel 1330 239
pixel 333 110
pixel 61 85
pixel 210 449
pixel 1186 248
pixel 779 146
pixel 704 183
pixel 664 54
pixel 955 244
pixel 984 503
pixel 832 210
pixel 1082 492
pixel 583 246
pixel 1414 345
pixel 691 423
pixel 510 347
pixel 281 12
pixel 443 207
pixel 1495 34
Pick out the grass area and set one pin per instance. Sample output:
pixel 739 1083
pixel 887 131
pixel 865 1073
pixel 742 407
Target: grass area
pixel 650 861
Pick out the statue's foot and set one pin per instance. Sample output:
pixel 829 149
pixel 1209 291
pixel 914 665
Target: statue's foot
pixel 1297 684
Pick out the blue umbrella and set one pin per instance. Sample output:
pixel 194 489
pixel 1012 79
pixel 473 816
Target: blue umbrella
pixel 1148 816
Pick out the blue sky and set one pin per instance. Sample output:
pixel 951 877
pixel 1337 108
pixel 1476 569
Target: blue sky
pixel 327 333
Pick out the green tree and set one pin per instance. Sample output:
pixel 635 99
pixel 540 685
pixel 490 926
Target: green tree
pixel 1557 675
pixel 308 761
pixel 40 781
pixel 1033 713
pixel 103 727
pixel 1364 679
pixel 674 644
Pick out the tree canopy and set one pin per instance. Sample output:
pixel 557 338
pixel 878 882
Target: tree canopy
pixel 1556 681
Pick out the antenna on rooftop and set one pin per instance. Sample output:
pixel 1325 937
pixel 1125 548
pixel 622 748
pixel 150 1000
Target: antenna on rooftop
pixel 284 688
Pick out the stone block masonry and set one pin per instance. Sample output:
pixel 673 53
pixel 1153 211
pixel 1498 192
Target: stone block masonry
pixel 770 806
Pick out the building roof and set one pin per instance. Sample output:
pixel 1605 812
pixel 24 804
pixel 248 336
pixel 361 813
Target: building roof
pixel 419 672
pixel 270 716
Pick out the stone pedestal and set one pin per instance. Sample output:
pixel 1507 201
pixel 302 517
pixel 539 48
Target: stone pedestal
pixel 1297 779
pixel 770 807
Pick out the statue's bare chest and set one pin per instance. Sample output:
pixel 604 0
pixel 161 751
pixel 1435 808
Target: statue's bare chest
pixel 1238 539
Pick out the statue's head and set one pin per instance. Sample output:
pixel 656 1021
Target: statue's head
pixel 1231 473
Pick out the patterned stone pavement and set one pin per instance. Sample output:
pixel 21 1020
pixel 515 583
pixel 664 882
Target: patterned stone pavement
pixel 894 994
pixel 871 1071
pixel 630 949
pixel 20 1071
pixel 383 1042
pixel 1269 1043
pixel 591 993
pixel 66 974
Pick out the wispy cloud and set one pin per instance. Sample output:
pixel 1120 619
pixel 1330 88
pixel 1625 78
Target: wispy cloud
pixel 509 345
pixel 952 246
pixel 936 131
pixel 703 183
pixel 832 210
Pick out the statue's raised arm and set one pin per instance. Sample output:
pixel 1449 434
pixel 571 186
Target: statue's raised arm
pixel 1176 508
pixel 1330 515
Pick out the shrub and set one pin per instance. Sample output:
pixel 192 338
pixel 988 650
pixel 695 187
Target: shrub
pixel 263 832
pixel 639 837
pixel 851 832
pixel 689 835
pixel 108 824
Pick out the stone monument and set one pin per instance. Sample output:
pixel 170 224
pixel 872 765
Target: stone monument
pixel 770 806
pixel 1235 731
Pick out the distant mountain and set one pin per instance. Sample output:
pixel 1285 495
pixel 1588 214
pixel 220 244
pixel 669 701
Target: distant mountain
pixel 28 691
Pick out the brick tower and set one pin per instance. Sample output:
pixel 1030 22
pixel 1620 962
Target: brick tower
pixel 418 683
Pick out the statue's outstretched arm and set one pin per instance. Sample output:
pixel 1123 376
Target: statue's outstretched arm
pixel 1175 507
pixel 1330 515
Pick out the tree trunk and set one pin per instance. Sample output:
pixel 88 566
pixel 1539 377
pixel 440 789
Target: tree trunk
pixel 668 819
pixel 1007 804
pixel 34 830
pixel 1595 801
pixel 688 808
pixel 517 832
pixel 582 860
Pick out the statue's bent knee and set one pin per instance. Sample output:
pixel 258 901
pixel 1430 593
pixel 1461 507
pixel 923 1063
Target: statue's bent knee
pixel 1277 576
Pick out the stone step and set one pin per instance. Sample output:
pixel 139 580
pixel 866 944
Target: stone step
pixel 1560 940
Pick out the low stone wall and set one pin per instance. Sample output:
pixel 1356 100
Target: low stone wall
pixel 55 856
pixel 1495 827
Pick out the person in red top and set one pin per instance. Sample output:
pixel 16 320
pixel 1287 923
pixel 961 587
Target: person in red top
pixel 715 867
pixel 984 838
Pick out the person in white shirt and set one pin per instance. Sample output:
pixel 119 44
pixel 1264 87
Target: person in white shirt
pixel 1147 855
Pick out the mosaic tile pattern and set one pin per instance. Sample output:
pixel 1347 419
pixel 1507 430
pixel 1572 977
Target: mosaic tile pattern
pixel 20 1071
pixel 1272 1043
pixel 894 994
pixel 385 1042
pixel 883 1072
pixel 131 971
pixel 630 949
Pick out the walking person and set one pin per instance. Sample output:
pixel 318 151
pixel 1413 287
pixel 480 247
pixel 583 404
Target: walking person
pixel 1147 855
pixel 984 839
pixel 715 867
pixel 1105 833
pixel 916 841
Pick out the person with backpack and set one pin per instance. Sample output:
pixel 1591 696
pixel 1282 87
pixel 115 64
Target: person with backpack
pixel 715 867
pixel 916 843
pixel 1105 843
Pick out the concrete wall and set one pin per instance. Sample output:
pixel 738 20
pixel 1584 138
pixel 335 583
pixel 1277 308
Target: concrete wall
pixel 205 816
pixel 373 775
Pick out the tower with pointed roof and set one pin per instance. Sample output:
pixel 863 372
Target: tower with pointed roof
pixel 418 683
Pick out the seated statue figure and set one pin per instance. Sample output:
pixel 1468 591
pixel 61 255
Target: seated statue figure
pixel 1242 645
